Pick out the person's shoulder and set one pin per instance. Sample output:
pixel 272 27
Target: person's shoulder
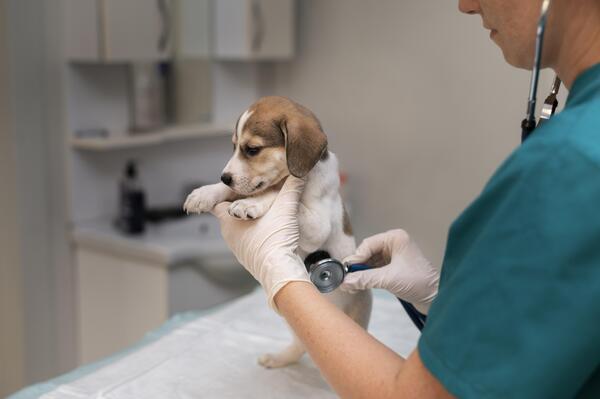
pixel 564 148
pixel 575 132
pixel 572 136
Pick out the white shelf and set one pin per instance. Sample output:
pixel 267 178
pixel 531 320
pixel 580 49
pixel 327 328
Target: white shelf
pixel 133 140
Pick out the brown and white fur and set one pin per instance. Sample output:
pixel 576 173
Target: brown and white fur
pixel 274 138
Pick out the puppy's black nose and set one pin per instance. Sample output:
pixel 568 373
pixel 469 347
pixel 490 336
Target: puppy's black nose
pixel 226 178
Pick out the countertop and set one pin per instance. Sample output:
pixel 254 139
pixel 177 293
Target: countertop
pixel 169 243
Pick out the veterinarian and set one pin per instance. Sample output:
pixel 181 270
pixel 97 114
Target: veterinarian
pixel 517 313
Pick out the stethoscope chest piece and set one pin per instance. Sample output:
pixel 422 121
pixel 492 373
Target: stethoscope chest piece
pixel 327 274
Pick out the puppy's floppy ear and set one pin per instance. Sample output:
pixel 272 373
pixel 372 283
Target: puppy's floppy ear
pixel 305 143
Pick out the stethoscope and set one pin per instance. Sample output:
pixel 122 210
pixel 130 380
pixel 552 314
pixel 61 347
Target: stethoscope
pixel 528 124
pixel 327 273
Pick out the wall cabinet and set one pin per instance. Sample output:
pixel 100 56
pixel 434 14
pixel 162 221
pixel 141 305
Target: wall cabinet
pixel 151 30
pixel 118 30
pixel 254 29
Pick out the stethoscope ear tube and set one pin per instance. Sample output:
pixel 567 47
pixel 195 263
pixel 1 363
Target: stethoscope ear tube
pixel 528 124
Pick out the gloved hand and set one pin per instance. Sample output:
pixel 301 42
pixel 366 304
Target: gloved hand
pixel 398 267
pixel 266 247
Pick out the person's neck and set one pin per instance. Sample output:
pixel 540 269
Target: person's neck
pixel 580 46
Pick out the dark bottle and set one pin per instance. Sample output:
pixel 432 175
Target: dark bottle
pixel 132 206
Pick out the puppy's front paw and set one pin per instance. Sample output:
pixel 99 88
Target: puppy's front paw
pixel 275 361
pixel 246 209
pixel 200 200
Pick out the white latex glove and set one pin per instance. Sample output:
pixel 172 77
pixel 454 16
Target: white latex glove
pixel 266 247
pixel 398 267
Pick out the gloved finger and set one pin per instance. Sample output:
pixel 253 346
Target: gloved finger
pixel 221 210
pixel 366 279
pixel 288 197
pixel 371 247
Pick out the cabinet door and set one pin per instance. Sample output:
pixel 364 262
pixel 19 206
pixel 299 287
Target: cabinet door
pixel 254 29
pixel 119 300
pixel 271 29
pixel 81 27
pixel 231 29
pixel 136 30
pixel 193 20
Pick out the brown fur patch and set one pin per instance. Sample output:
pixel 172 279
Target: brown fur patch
pixel 347 225
pixel 270 134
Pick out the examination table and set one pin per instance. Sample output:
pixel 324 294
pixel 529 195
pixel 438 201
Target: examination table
pixel 213 355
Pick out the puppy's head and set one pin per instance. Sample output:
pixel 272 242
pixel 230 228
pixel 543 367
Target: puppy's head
pixel 274 138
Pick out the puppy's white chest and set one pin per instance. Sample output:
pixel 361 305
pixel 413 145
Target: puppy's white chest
pixel 315 227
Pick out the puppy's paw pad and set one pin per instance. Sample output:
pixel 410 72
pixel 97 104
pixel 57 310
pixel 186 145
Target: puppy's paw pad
pixel 272 361
pixel 200 200
pixel 244 209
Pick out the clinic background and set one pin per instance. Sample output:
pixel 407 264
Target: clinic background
pixel 416 101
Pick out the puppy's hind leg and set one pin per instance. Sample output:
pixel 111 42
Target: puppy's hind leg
pixel 289 355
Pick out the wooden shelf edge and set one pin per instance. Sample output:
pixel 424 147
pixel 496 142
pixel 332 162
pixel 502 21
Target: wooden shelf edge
pixel 169 134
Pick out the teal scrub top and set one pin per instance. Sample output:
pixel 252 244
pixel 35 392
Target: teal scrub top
pixel 518 309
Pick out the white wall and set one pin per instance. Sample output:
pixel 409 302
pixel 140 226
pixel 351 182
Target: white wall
pixel 26 23
pixel 11 300
pixel 417 102
pixel 34 88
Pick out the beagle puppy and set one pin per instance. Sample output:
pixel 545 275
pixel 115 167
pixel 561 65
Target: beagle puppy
pixel 274 138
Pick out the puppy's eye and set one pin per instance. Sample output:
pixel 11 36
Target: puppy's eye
pixel 252 151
